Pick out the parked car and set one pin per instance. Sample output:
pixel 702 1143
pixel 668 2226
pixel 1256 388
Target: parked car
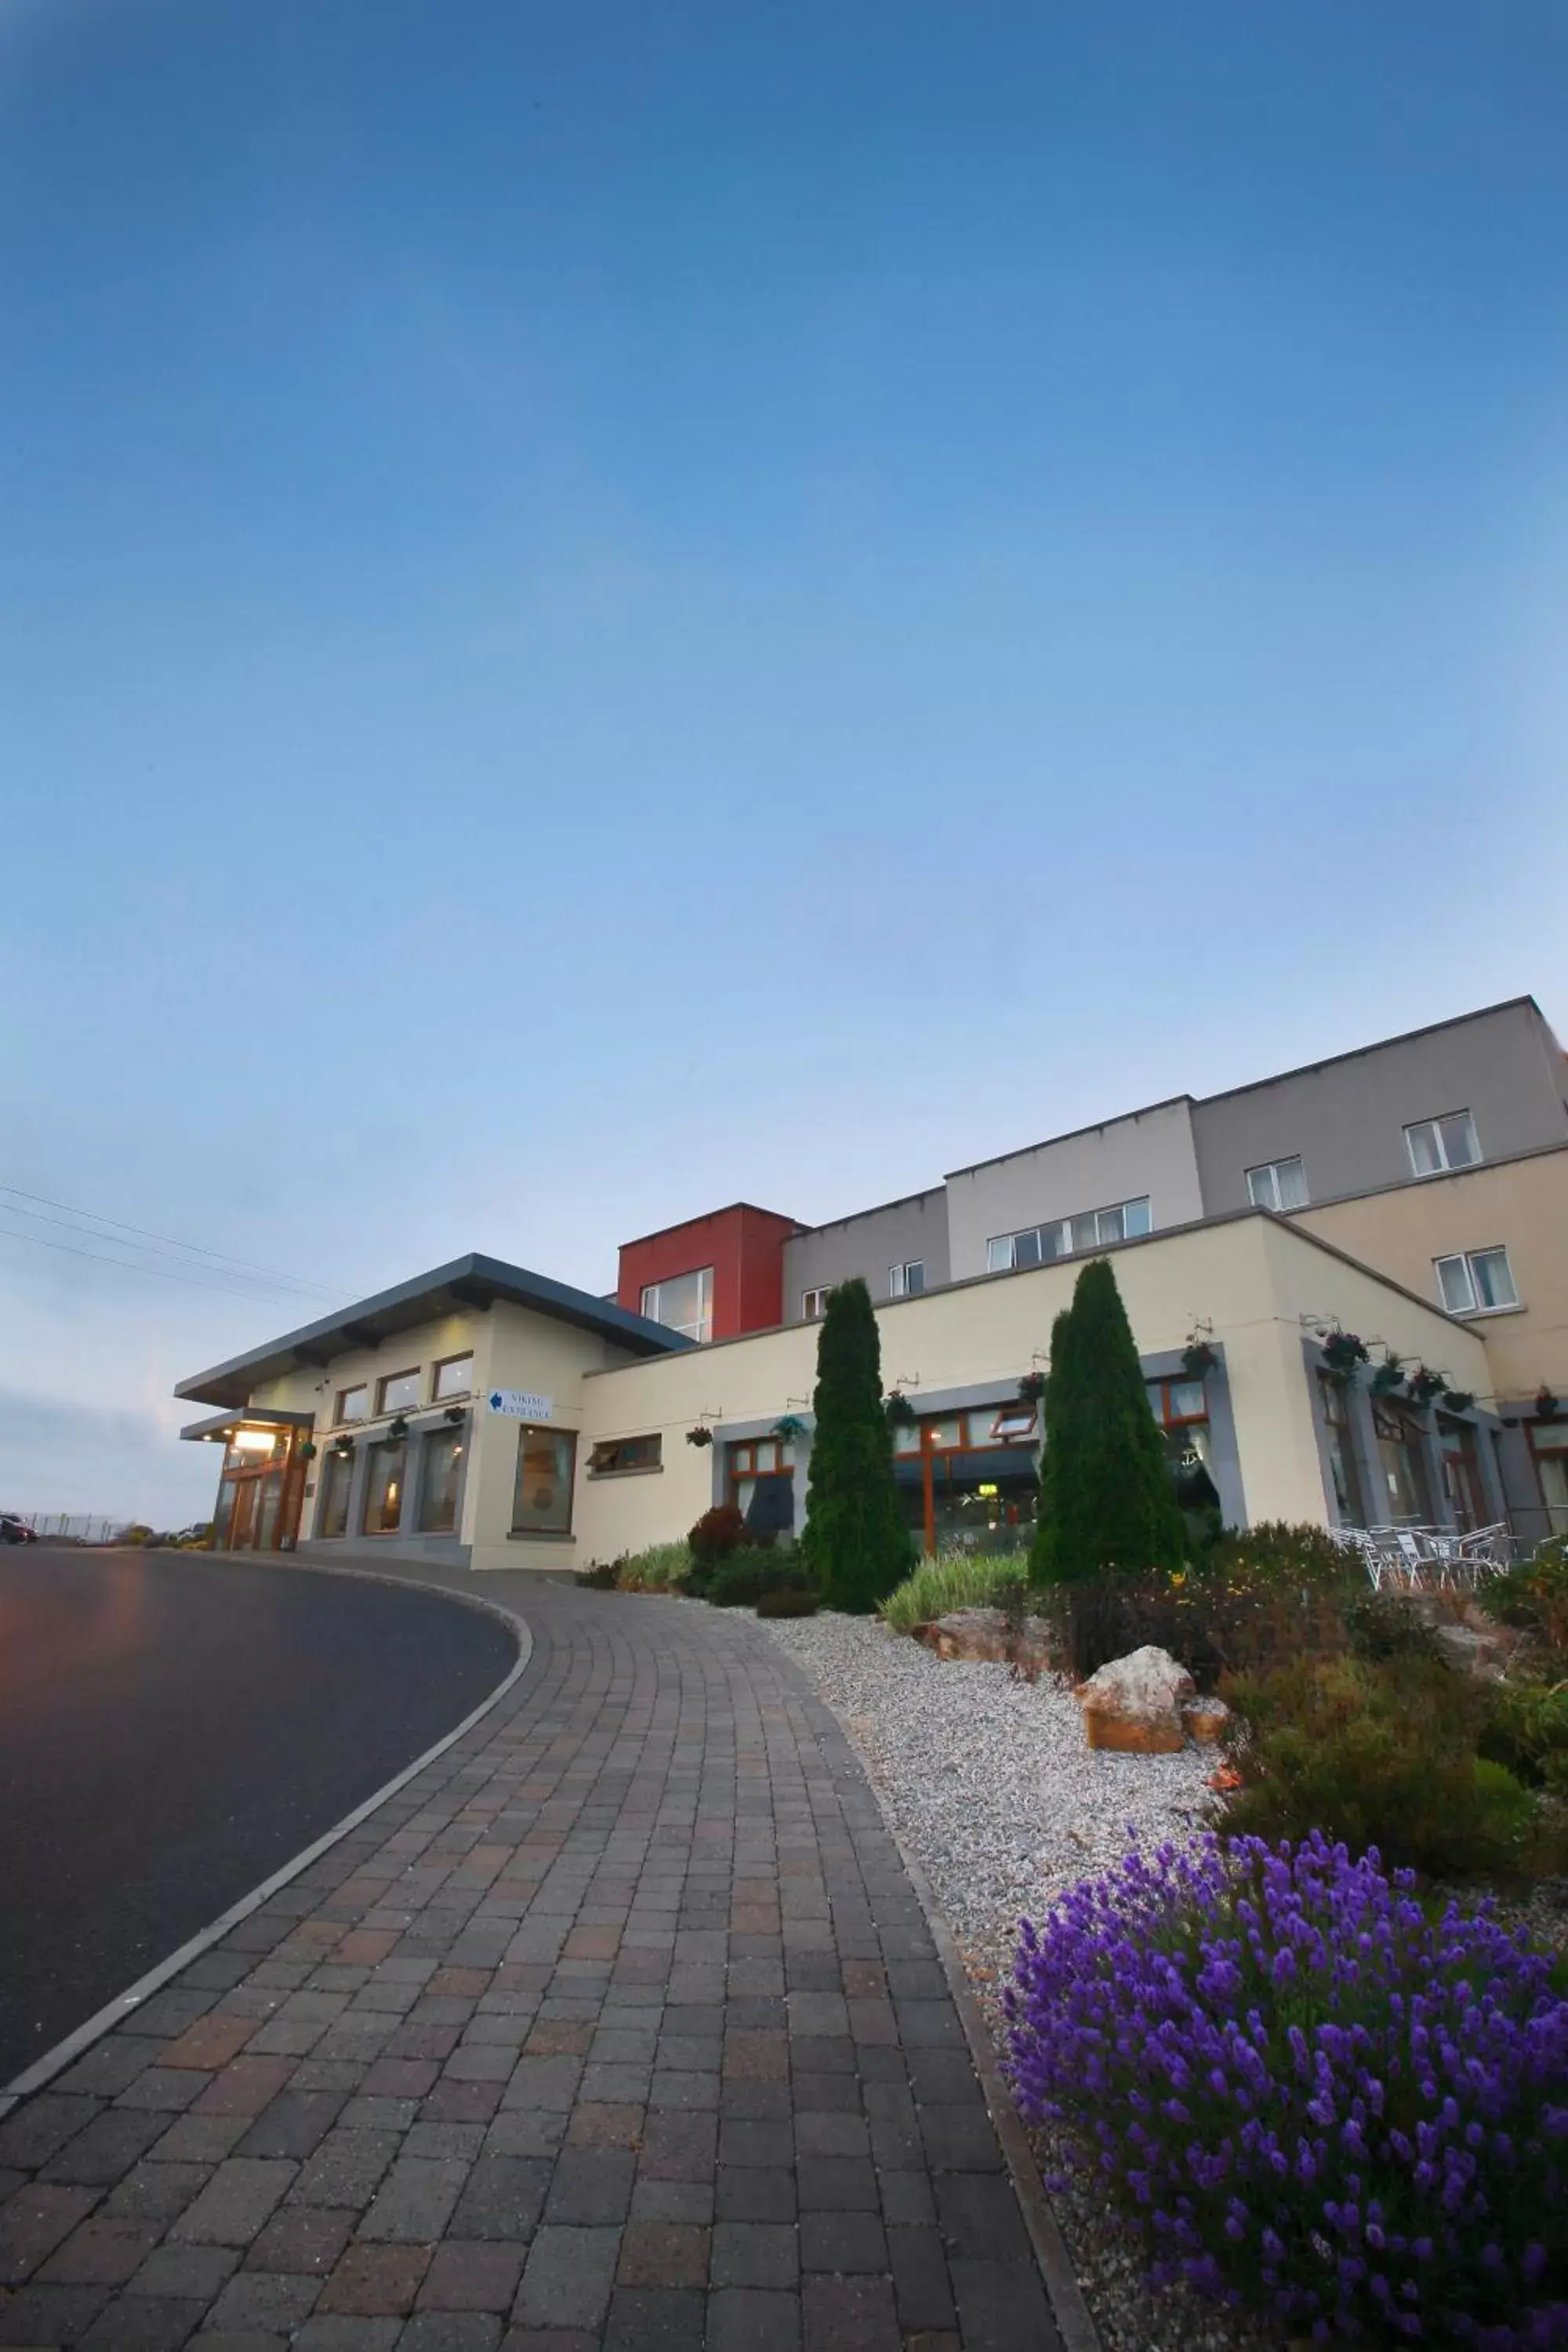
pixel 14 1530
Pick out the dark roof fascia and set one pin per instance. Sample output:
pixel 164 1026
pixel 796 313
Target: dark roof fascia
pixel 1380 1045
pixel 1071 1134
pixel 706 1216
pixel 471 1281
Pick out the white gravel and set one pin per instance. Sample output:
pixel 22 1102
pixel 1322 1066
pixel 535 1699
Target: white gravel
pixel 990 1784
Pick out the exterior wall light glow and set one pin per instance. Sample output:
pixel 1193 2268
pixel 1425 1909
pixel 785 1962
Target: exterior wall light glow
pixel 254 1441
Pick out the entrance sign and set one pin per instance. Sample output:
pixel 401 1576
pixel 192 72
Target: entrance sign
pixel 521 1404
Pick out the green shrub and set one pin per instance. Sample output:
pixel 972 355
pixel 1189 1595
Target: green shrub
pixel 663 1568
pixel 1379 1755
pixel 1528 1732
pixel 716 1534
pixel 1533 1597
pixel 1106 1497
pixel 1387 1625
pixel 599 1576
pixel 740 1580
pixel 788 1601
pixel 1281 1551
pixel 855 1542
pixel 1215 1624
pixel 965 1580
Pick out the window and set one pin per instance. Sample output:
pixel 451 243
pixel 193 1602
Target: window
pixel 762 1484
pixel 1095 1229
pixel 1279 1185
pixel 441 1475
pixel 541 1500
pixel 1014 1423
pixel 813 1304
pixel 967 1481
pixel 1480 1282
pixel 398 1391
pixel 685 1302
pixel 383 1489
pixel 354 1404
pixel 1548 1446
pixel 619 1453
pixel 337 1477
pixel 1434 1144
pixel 454 1378
pixel 1349 1510
pixel 907 1281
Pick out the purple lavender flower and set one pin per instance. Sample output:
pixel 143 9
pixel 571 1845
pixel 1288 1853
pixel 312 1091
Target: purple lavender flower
pixel 1300 2088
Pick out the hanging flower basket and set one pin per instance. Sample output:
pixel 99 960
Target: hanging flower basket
pixel 901 1412
pixel 1458 1399
pixel 396 1431
pixel 1342 1351
pixel 1545 1403
pixel 1031 1388
pixel 1389 1375
pixel 307 1453
pixel 1425 1385
pixel 1198 1359
pixel 701 1435
pixel 343 1448
pixel 789 1426
pixel 454 1414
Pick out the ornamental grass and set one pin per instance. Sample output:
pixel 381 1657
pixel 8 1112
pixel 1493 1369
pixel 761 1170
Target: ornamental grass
pixel 1315 2099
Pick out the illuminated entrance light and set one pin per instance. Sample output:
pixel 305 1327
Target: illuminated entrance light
pixel 254 1441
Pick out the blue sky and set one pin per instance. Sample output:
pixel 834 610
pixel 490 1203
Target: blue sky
pixel 604 609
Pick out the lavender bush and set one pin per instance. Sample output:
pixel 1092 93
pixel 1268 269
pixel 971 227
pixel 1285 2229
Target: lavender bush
pixel 1314 2098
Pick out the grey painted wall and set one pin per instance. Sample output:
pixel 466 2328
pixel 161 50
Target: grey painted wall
pixel 1347 1118
pixel 867 1245
pixel 1150 1152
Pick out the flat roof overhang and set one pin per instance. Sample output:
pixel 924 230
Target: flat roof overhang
pixel 220 1424
pixel 473 1282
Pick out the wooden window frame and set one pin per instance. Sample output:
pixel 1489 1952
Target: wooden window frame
pixel 444 1363
pixel 340 1420
pixel 1165 1418
pixel 410 1372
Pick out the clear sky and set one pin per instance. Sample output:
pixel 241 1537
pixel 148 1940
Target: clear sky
pixel 605 608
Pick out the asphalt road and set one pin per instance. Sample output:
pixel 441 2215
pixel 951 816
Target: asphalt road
pixel 172 1730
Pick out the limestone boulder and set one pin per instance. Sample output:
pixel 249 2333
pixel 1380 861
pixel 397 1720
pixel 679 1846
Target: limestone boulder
pixel 983 1634
pixel 1205 1719
pixel 1133 1704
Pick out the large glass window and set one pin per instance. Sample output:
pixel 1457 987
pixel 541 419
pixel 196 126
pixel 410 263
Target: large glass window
pixel 1436 1144
pixel 354 1404
pixel 337 1477
pixel 541 1500
pixel 440 1476
pixel 1477 1282
pixel 1349 1510
pixel 685 1302
pixel 1462 1472
pixel 454 1378
pixel 1402 1464
pixel 398 1391
pixel 383 1489
pixel 762 1484
pixel 615 1454
pixel 1548 1445
pixel 967 1480
pixel 1279 1185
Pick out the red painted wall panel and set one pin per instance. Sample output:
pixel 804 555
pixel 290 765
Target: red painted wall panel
pixel 743 1245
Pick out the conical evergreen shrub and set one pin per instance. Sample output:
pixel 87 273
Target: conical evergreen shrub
pixel 854 1542
pixel 1107 1500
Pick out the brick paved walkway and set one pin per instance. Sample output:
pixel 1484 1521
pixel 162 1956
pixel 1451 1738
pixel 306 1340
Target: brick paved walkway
pixel 620 2025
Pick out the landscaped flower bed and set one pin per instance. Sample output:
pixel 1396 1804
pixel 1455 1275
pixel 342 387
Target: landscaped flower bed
pixel 1313 2099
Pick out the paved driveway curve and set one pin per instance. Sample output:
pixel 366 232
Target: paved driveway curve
pixel 173 1730
pixel 620 2026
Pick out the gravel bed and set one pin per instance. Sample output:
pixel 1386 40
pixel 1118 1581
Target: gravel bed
pixel 989 1782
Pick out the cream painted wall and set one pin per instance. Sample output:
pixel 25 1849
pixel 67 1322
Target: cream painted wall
pixel 1152 1151
pixel 527 1351
pixel 1521 1203
pixel 1251 1277
pixel 309 1391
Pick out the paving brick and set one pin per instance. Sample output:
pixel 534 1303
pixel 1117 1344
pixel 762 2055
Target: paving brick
pixel 49 2316
pixel 34 2222
pixel 304 2241
pixel 143 2323
pixel 655 2319
pixel 415 2201
pixel 663 2254
pixel 1002 2305
pixel 755 2192
pixel 849 2315
pixel 208 2044
pixel 503 2198
pixel 267 2302
pixel 753 2319
pixel 452 2331
pixel 110 2066
pixel 346 2169
pixel 294 2124
pixel 107 2150
pixel 472 2275
pixel 568 2277
pixel 99 2252
pixel 339 2332
pixel 236 2202
pixel 755 2253
pixel 41 2128
pixel 376 2281
pixel 185 2274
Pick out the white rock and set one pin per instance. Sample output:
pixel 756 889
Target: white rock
pixel 1133 1704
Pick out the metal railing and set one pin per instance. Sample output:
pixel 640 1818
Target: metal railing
pixel 70 1526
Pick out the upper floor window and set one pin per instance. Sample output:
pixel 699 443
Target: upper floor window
pixel 1279 1185
pixel 907 1281
pixel 454 1378
pixel 1476 1283
pixel 813 1304
pixel 398 1391
pixel 354 1404
pixel 685 1302
pixel 1435 1144
pixel 616 1454
pixel 1095 1229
